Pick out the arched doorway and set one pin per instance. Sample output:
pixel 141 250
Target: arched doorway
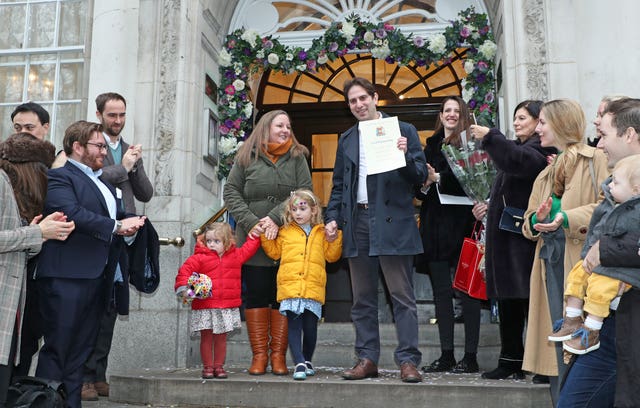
pixel 315 102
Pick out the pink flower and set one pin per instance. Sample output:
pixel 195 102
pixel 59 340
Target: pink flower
pixel 482 66
pixel 223 130
pixel 465 32
pixel 485 107
pixel 231 44
pixel 311 64
pixel 230 90
pixel 388 27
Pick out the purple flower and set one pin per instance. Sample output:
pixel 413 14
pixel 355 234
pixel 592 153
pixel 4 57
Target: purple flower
pixel 228 123
pixel 465 32
pixel 489 97
pixel 389 60
pixel 472 103
pixel 481 78
pixel 381 33
pixel 333 47
pixel 246 51
pixel 418 41
pixel 302 55
pixel 421 63
pixel 268 45
pixel 229 74
pixel 311 64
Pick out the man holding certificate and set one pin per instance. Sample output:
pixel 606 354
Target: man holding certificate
pixel 378 163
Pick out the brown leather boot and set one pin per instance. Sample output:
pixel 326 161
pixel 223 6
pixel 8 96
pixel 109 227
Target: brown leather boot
pixel 258 329
pixel 279 342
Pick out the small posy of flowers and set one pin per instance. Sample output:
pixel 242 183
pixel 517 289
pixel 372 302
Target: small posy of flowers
pixel 246 53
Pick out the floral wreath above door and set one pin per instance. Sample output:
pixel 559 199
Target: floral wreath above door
pixel 246 53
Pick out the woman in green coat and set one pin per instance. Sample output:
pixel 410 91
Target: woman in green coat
pixel 268 167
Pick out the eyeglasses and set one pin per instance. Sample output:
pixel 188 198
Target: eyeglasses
pixel 100 146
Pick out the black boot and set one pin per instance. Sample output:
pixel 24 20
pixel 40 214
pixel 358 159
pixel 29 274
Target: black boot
pixel 503 372
pixel 445 363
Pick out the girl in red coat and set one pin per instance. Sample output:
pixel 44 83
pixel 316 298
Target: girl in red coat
pixel 215 316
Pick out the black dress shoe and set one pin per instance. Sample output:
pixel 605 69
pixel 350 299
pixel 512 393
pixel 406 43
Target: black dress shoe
pixel 540 379
pixel 466 366
pixel 438 366
pixel 502 373
pixel 459 318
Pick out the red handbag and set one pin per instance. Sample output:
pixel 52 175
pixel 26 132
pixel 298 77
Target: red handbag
pixel 469 276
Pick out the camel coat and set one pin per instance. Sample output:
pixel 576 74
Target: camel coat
pixel 578 202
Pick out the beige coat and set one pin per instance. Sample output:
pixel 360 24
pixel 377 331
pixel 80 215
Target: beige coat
pixel 578 202
pixel 16 244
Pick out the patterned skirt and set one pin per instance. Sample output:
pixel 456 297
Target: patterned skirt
pixel 217 320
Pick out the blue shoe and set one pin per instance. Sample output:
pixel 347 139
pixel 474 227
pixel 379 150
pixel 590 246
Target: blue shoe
pixel 309 371
pixel 299 374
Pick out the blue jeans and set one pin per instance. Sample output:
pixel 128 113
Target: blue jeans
pixel 591 381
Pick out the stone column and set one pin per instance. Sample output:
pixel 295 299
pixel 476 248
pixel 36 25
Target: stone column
pixel 113 60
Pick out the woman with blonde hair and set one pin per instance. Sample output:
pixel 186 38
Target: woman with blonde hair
pixel 562 200
pixel 268 167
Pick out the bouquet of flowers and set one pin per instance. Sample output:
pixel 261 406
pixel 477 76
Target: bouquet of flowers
pixel 199 287
pixel 472 167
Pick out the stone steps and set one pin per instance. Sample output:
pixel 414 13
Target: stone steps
pixel 184 387
pixel 336 340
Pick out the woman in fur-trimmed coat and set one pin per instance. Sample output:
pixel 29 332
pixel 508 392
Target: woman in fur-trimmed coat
pixel 508 255
pixel 23 185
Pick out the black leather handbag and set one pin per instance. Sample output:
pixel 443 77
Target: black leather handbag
pixel 512 219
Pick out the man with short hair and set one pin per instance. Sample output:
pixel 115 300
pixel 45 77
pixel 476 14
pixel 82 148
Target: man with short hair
pixel 123 168
pixel 376 215
pixel 592 376
pixel 75 277
pixel 32 118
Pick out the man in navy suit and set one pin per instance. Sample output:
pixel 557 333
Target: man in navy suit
pixel 74 276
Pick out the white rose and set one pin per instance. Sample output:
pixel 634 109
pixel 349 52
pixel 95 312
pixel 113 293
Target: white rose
pixel 232 105
pixel 368 36
pixel 348 30
pixel 437 43
pixel 238 84
pixel 250 36
pixel 224 58
pixel 273 58
pixel 288 56
pixel 227 145
pixel 260 54
pixel 248 110
pixel 381 52
pixel 323 59
pixel 467 94
pixel 488 49
pixel 469 65
pixel 301 67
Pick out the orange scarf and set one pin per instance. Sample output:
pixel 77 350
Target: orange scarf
pixel 276 150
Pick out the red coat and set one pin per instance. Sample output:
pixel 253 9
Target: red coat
pixel 224 271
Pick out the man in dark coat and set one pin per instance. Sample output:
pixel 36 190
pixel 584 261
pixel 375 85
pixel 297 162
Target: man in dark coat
pixel 376 215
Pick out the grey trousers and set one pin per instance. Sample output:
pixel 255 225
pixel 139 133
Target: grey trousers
pixel 397 271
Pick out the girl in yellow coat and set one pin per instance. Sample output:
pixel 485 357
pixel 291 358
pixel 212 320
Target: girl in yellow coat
pixel 303 251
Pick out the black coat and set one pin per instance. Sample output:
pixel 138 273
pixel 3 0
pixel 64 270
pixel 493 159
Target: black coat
pixel 509 256
pixel 442 227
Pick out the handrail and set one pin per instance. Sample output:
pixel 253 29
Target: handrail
pixel 177 241
pixel 213 218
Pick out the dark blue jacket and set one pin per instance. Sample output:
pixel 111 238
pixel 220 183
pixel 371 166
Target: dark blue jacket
pixel 392 223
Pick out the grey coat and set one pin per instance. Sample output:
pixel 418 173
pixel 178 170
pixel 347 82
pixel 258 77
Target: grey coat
pixel 17 243
pixel 392 224
pixel 133 184
pixel 610 224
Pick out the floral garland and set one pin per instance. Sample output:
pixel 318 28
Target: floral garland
pixel 245 53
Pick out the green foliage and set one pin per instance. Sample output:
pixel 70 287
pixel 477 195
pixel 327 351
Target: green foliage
pixel 245 53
